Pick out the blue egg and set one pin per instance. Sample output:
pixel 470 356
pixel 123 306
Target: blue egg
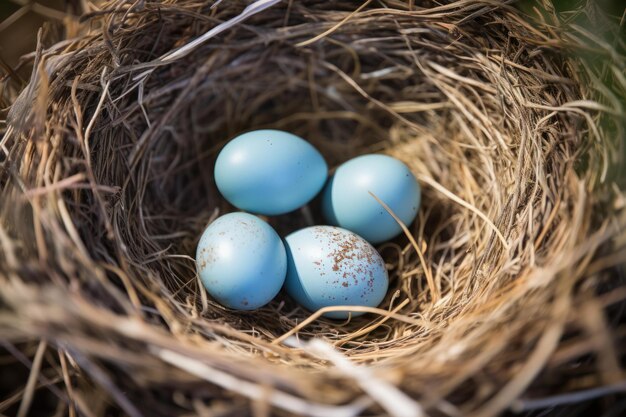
pixel 330 266
pixel 241 261
pixel 269 172
pixel 347 203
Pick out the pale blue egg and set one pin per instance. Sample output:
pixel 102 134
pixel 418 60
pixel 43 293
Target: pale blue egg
pixel 330 266
pixel 347 201
pixel 269 172
pixel 241 261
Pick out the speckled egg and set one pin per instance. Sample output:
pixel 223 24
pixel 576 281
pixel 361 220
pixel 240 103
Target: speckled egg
pixel 269 172
pixel 241 261
pixel 330 266
pixel 347 203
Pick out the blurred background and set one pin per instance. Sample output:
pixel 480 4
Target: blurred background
pixel 20 20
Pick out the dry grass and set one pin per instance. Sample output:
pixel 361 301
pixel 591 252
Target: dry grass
pixel 107 184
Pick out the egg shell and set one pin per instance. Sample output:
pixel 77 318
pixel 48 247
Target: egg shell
pixel 269 172
pixel 330 266
pixel 346 201
pixel 241 261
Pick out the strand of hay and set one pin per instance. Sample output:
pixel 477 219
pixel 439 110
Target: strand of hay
pixel 106 176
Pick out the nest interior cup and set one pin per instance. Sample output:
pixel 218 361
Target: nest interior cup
pixel 108 179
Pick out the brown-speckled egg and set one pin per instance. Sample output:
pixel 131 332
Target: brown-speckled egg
pixel 330 266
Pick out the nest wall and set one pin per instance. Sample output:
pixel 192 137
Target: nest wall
pixel 107 185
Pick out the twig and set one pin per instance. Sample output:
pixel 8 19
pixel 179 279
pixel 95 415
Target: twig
pixel 277 398
pixel 524 405
pixel 335 27
pixel 394 401
pixel 29 391
pixel 465 204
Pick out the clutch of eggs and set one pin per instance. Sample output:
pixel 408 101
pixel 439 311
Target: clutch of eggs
pixel 243 263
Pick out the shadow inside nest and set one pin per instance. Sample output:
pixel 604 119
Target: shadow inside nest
pixel 165 133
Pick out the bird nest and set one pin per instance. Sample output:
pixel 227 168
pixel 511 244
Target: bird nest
pixel 503 282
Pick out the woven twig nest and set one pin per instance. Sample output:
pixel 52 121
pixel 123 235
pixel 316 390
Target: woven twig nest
pixel 107 184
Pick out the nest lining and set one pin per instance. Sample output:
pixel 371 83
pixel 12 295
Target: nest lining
pixel 109 175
